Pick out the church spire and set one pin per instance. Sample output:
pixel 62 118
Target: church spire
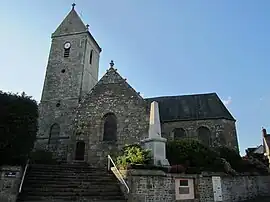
pixel 72 24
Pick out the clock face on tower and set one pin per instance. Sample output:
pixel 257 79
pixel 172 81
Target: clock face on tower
pixel 67 45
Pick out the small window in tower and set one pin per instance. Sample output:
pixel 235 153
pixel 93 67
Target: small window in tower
pixel 66 53
pixel 91 57
pixel 67 46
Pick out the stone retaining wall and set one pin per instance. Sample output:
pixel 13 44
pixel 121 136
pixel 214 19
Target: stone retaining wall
pixel 154 185
pixel 244 187
pixel 10 178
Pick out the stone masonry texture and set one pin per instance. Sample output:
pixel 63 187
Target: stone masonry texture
pixel 9 185
pixel 111 95
pixel 67 80
pixel 223 132
pixel 245 187
pixel 150 185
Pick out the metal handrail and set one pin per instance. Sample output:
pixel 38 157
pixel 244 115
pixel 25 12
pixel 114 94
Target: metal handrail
pixel 120 175
pixel 24 173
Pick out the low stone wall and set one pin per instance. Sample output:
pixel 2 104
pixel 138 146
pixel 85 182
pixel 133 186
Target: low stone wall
pixel 10 178
pixel 154 185
pixel 241 188
pixel 150 186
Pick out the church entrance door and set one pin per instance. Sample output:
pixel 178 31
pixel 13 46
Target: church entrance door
pixel 80 149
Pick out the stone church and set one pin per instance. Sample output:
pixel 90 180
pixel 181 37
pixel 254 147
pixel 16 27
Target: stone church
pixel 85 119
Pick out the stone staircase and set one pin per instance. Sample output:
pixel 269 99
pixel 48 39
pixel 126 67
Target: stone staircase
pixel 69 182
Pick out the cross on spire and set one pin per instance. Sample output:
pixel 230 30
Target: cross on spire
pixel 73 5
pixel 111 64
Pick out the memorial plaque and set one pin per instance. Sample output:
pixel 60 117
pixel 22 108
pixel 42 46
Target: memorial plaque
pixel 10 174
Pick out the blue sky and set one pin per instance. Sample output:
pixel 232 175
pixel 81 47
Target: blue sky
pixel 170 47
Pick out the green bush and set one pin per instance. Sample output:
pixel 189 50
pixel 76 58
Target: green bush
pixel 42 157
pixel 197 158
pixel 132 155
pixel 18 127
pixel 231 156
pixel 192 153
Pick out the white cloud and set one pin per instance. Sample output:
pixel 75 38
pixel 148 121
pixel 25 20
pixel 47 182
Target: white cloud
pixel 227 101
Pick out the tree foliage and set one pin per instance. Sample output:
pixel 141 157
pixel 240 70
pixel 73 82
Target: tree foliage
pixel 18 127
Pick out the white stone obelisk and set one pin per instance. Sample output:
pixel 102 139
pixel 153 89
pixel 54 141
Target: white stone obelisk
pixel 155 142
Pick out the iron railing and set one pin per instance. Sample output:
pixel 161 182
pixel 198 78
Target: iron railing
pixel 24 173
pixel 120 178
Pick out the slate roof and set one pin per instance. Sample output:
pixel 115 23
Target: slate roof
pixel 191 107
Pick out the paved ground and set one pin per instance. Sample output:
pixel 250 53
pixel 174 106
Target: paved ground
pixel 264 199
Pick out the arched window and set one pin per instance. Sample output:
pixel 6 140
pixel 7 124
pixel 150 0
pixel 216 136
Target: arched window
pixel 204 135
pixel 179 133
pixel 54 134
pixel 91 57
pixel 110 127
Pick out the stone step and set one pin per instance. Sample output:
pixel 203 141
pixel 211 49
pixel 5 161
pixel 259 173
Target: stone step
pixel 74 175
pixel 66 172
pixel 49 172
pixel 71 177
pixel 36 183
pixel 87 192
pixel 72 189
pixel 67 180
pixel 61 166
pixel 70 185
pixel 72 198
pixel 63 184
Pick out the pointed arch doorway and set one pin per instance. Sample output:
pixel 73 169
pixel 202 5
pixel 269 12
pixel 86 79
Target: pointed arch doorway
pixel 80 151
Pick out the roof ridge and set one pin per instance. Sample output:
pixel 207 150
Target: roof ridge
pixel 185 95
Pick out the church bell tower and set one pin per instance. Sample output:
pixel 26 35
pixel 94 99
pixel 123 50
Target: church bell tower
pixel 72 71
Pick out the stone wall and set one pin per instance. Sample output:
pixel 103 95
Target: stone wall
pixel 244 187
pixel 111 95
pixel 150 185
pixel 10 178
pixel 223 132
